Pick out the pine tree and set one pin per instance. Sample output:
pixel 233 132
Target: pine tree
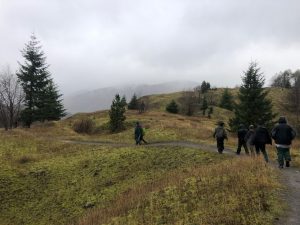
pixel 133 104
pixel 123 101
pixel 227 100
pixel 172 107
pixel 205 86
pixel 42 100
pixel 254 106
pixel 50 106
pixel 116 114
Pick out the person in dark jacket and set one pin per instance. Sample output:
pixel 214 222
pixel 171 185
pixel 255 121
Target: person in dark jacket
pixel 220 134
pixel 139 134
pixel 283 134
pixel 260 139
pixel 249 139
pixel 242 131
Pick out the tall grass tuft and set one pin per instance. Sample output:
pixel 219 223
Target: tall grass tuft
pixel 85 125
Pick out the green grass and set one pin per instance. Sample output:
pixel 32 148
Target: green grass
pixel 46 182
pixel 236 192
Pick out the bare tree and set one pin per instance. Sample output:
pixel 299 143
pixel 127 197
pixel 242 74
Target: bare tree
pixel 188 102
pixel 11 97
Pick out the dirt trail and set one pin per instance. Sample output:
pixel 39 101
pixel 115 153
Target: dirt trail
pixel 290 176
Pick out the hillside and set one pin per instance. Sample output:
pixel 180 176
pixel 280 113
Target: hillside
pixel 276 95
pixel 100 99
pixel 52 175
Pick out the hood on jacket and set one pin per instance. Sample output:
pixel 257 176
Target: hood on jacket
pixel 282 119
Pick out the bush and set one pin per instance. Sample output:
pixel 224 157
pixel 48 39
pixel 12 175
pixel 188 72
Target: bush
pixel 172 107
pixel 84 126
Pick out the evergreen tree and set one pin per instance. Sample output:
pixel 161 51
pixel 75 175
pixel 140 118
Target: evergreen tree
pixel 42 100
pixel 116 114
pixel 253 104
pixel 172 107
pixel 205 86
pixel 123 101
pixel 227 100
pixel 133 104
pixel 204 105
pixel 50 105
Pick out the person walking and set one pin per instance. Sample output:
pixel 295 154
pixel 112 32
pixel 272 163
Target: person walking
pixel 260 139
pixel 220 134
pixel 242 131
pixel 249 139
pixel 139 133
pixel 283 134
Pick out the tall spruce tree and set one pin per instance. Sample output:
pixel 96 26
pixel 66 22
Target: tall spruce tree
pixel 133 104
pixel 116 114
pixel 42 100
pixel 253 103
pixel 227 100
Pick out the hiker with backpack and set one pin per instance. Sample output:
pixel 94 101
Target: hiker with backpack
pixel 242 131
pixel 260 139
pixel 249 139
pixel 139 133
pixel 283 134
pixel 220 134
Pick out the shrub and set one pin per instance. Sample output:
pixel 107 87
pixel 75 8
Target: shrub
pixel 86 125
pixel 172 107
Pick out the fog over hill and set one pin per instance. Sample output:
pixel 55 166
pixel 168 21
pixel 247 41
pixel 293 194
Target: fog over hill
pixel 100 99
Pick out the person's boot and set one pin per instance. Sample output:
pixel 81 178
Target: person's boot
pixel 280 166
pixel 287 163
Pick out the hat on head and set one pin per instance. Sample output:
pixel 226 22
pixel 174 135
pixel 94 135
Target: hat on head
pixel 282 119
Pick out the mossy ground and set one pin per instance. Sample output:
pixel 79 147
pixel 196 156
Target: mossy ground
pixel 49 182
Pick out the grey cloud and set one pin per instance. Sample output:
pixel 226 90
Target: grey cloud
pixel 92 44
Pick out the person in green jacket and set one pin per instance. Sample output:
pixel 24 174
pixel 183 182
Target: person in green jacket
pixel 139 133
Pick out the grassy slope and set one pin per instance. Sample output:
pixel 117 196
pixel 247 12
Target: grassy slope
pixel 44 182
pixel 48 182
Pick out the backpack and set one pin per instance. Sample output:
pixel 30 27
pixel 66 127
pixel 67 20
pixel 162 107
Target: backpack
pixel 220 133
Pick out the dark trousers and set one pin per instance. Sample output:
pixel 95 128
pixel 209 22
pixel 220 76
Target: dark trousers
pixel 260 147
pixel 283 154
pixel 220 144
pixel 240 145
pixel 139 139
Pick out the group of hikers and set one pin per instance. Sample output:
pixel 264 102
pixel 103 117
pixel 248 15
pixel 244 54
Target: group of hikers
pixel 256 140
pixel 251 139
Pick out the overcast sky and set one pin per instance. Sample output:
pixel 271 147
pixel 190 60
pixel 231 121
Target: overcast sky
pixel 95 43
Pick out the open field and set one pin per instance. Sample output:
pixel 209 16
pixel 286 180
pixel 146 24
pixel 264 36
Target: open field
pixel 49 182
pixel 44 180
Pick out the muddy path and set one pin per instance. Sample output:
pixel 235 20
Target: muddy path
pixel 290 177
